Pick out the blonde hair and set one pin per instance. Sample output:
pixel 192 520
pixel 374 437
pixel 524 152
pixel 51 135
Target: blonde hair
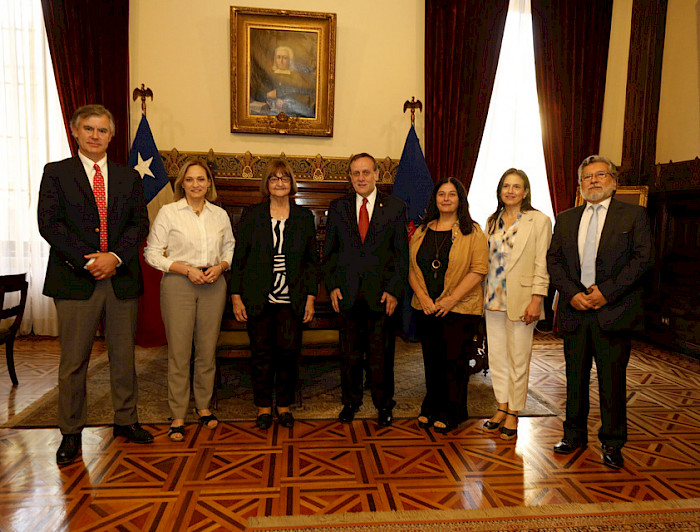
pixel 272 168
pixel 211 188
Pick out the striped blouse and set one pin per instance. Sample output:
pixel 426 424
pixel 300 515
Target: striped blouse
pixel 280 289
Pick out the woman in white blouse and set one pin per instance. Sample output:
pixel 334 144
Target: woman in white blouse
pixel 192 242
pixel 516 286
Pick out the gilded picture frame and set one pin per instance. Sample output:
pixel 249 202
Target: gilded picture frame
pixel 282 71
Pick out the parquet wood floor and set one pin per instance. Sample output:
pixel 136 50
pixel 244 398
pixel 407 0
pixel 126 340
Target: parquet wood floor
pixel 216 480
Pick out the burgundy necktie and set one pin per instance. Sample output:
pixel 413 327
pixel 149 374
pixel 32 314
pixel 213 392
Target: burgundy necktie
pixel 364 220
pixel 98 187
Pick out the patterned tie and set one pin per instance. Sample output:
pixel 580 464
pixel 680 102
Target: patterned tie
pixel 364 220
pixel 589 250
pixel 98 187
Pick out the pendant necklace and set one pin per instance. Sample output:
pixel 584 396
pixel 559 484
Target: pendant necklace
pixel 437 264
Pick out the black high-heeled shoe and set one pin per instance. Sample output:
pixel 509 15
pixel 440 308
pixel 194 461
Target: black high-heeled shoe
pixel 509 434
pixel 493 426
pixel 443 430
pixel 425 424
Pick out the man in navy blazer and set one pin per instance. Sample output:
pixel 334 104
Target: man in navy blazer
pixel 599 279
pixel 366 275
pixel 89 277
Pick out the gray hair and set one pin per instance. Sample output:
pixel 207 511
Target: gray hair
pixel 86 111
pixel 597 159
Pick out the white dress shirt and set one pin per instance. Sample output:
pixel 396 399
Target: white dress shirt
pixel 586 219
pixel 179 235
pixel 371 199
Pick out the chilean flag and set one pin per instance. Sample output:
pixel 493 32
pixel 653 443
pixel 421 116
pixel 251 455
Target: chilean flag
pixel 414 186
pixel 145 159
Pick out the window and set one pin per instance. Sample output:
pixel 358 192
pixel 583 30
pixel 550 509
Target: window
pixel 513 132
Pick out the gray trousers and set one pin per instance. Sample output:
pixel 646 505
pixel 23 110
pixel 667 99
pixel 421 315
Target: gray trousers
pixel 77 324
pixel 191 312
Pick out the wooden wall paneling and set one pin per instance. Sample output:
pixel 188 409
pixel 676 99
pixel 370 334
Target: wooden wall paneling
pixel 643 91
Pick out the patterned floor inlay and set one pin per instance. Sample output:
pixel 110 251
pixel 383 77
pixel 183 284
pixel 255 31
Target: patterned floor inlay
pixel 218 479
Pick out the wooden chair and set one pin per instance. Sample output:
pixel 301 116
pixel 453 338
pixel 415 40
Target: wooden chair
pixel 8 284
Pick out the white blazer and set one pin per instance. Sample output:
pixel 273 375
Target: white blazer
pixel 526 270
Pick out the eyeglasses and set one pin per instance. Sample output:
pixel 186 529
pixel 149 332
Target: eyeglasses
pixel 284 179
pixel 599 175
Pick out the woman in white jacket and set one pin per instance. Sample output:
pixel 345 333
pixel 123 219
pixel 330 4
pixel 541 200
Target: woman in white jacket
pixel 516 285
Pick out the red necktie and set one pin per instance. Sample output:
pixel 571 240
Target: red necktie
pixel 98 187
pixel 364 220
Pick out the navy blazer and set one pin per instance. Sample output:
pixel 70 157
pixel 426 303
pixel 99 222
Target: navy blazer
pixel 69 222
pixel 378 265
pixel 624 255
pixel 253 257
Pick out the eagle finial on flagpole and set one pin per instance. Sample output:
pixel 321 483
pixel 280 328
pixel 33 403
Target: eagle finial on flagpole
pixel 143 93
pixel 412 105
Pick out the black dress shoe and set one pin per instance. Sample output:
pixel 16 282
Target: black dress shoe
pixel 347 414
pixel 133 433
pixel 69 449
pixel 385 418
pixel 612 457
pixel 567 447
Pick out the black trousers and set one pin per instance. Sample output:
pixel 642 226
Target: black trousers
pixel 367 331
pixel 611 351
pixel 447 347
pixel 275 339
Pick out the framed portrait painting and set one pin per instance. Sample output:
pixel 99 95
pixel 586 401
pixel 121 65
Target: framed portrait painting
pixel 282 71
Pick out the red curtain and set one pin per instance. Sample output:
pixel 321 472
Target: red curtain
pixel 571 55
pixel 89 45
pixel 462 44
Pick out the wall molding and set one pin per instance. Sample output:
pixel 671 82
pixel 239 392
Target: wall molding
pixel 248 166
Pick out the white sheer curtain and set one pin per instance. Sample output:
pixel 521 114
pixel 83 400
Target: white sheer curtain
pixel 513 133
pixel 32 133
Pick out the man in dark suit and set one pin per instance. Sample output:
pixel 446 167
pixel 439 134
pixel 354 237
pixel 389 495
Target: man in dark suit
pixel 92 214
pixel 599 254
pixel 366 267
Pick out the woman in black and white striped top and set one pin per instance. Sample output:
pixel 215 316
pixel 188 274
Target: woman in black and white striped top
pixel 273 286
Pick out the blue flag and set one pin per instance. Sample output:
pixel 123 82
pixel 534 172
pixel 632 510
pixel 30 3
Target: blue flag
pixel 414 186
pixel 413 183
pixel 144 157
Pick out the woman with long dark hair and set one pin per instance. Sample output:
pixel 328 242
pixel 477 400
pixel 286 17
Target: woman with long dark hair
pixel 516 286
pixel 448 260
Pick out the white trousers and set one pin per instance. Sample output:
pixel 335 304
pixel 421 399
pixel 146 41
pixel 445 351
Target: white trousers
pixel 510 350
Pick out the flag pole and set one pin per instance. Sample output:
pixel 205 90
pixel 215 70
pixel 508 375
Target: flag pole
pixel 143 93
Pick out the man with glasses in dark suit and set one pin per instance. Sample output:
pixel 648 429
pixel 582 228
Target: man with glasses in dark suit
pixel 599 254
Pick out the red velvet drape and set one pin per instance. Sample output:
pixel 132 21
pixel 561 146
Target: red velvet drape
pixel 571 54
pixel 462 44
pixel 89 45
